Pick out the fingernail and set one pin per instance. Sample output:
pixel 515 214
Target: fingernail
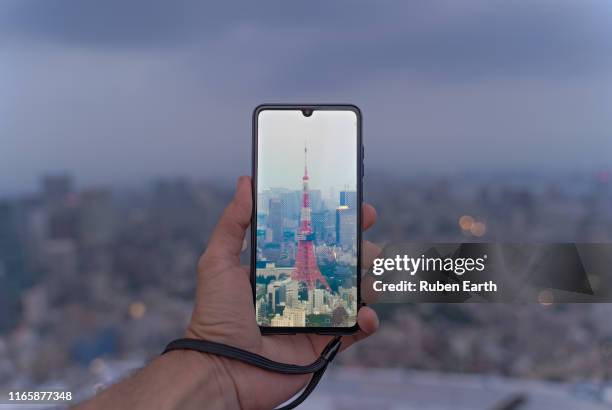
pixel 240 180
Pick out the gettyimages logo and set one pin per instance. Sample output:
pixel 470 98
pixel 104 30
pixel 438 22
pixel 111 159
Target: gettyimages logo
pixel 410 265
pixel 491 272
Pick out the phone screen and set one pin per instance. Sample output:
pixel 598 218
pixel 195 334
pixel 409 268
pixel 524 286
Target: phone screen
pixel 307 214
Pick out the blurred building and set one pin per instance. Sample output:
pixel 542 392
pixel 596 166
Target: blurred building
pixel 346 227
pixel 275 219
pixel 56 190
pixel 348 198
pixel 97 229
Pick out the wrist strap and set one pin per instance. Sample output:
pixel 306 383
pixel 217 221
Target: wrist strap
pixel 317 368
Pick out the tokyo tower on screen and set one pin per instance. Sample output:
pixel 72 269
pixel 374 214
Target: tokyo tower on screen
pixel 306 269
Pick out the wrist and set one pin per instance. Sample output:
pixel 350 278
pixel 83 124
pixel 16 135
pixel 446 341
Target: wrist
pixel 210 379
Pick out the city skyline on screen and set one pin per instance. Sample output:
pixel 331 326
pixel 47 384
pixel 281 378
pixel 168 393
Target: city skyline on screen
pixel 306 246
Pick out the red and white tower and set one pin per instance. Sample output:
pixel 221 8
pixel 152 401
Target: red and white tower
pixel 306 269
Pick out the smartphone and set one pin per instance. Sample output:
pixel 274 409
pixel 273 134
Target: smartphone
pixel 306 226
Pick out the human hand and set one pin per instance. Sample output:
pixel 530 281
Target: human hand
pixel 224 312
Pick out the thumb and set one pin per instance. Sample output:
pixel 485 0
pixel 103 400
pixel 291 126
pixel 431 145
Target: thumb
pixel 226 241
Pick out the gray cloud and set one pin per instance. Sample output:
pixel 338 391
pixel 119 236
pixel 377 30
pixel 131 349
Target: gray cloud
pixel 120 91
pixel 142 23
pixel 467 39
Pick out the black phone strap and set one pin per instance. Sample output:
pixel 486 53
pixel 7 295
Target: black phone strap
pixel 317 368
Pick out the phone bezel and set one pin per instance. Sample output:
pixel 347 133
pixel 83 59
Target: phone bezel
pixel 359 152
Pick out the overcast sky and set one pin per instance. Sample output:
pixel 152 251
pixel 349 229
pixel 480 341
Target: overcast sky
pixel 331 139
pixel 120 91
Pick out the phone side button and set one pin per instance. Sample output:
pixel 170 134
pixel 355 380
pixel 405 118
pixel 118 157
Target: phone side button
pixel 362 161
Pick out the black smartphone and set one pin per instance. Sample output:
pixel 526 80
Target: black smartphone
pixel 306 227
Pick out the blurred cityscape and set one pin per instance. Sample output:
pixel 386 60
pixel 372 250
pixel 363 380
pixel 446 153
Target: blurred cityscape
pixel 95 281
